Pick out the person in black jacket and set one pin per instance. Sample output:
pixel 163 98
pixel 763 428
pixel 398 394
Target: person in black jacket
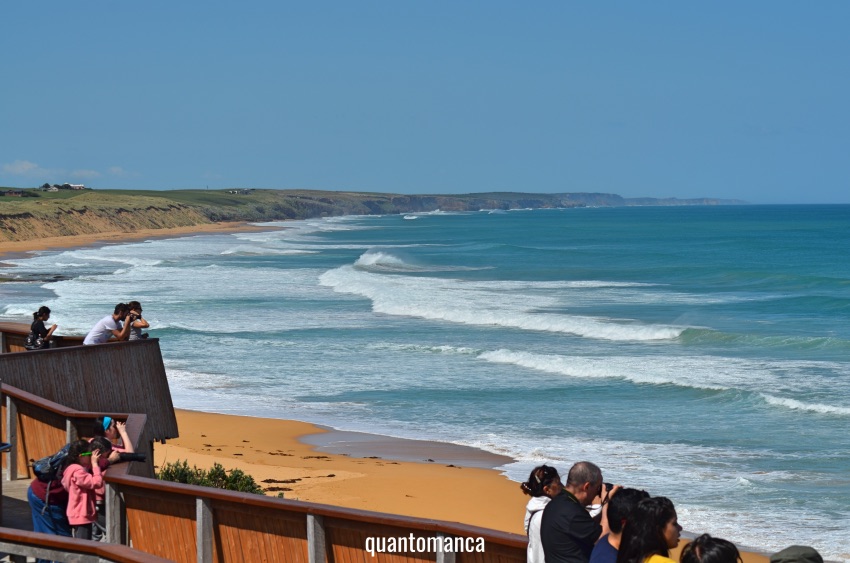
pixel 567 530
pixel 37 327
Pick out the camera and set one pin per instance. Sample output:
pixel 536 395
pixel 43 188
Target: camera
pixel 124 456
pixel 608 486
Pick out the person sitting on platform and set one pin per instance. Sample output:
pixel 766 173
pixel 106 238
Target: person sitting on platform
pixel 110 326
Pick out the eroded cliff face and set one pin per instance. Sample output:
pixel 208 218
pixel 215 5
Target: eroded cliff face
pixel 57 220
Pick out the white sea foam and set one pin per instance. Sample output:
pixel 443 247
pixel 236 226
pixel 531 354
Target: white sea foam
pixel 698 372
pixel 803 406
pixel 663 371
pixel 444 349
pixel 373 258
pixel 479 303
pixel 261 251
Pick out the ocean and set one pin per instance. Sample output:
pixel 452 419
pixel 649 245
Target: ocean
pixel 700 353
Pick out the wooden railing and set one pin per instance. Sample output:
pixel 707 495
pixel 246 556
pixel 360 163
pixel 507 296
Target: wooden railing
pixel 21 544
pixel 50 425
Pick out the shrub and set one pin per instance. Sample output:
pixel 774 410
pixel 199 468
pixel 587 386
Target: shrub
pixel 218 477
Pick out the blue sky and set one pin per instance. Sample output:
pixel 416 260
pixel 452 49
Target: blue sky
pixel 660 99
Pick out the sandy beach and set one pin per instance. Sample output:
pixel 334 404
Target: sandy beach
pixel 99 239
pixel 272 451
pixel 310 463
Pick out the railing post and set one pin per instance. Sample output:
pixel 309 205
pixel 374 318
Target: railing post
pixel 316 551
pixel 116 513
pixel 12 438
pixel 204 523
pixel 2 342
pixel 444 556
pixel 70 431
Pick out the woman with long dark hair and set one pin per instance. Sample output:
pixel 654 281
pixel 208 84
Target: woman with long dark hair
pixel 652 531
pixel 543 485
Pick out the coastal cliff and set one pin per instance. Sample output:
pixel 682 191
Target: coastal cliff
pixel 45 214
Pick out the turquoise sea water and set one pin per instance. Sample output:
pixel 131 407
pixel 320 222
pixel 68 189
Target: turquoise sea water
pixel 701 353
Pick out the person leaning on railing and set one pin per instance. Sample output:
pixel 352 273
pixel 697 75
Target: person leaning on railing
pixel 110 326
pixel 37 328
pixel 136 321
pixel 116 432
pixel 48 502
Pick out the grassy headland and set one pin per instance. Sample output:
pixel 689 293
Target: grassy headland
pixel 85 212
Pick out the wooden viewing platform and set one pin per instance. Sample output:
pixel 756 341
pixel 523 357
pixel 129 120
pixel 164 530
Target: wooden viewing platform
pixel 50 397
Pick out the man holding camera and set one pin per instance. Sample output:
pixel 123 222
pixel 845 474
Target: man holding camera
pixel 567 531
pixel 110 326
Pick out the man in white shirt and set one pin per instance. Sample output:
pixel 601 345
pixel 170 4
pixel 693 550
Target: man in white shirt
pixel 110 326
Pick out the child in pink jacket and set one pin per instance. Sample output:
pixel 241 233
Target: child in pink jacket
pixel 81 478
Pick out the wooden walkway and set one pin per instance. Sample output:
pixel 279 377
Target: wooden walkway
pixel 16 509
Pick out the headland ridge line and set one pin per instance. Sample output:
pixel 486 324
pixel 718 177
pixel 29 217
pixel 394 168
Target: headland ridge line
pixel 39 215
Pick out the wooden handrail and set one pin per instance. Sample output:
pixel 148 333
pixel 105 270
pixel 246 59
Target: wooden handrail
pixel 106 551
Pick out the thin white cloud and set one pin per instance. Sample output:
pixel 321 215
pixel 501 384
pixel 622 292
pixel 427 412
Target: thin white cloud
pixel 24 168
pixel 85 174
pixel 117 171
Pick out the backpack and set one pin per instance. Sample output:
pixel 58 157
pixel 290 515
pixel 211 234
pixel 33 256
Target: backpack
pixel 50 468
pixel 34 342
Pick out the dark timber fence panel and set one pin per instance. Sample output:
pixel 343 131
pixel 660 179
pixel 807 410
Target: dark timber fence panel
pixel 113 377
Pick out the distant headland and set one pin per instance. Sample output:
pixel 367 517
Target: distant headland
pixel 27 214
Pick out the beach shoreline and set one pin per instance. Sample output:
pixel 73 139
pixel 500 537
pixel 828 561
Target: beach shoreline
pixel 12 249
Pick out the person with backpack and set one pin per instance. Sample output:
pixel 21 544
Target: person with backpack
pixel 81 478
pixel 39 336
pixel 48 501
pixel 47 498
